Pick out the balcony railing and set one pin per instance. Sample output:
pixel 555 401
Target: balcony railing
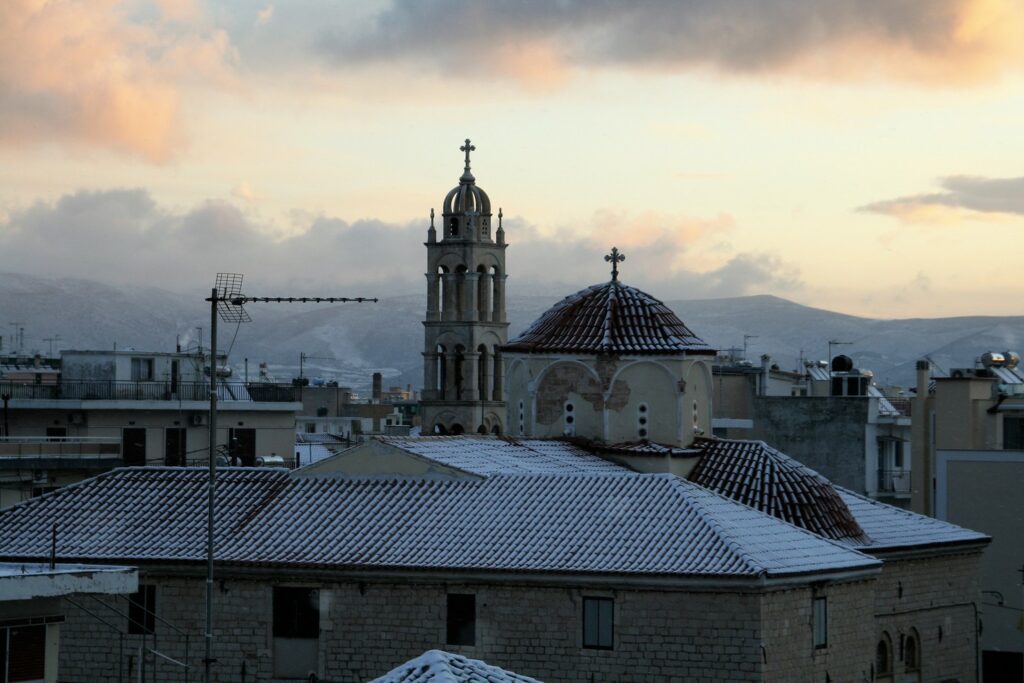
pixel 113 390
pixel 894 481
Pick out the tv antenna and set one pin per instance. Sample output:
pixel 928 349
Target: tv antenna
pixel 51 340
pixel 227 303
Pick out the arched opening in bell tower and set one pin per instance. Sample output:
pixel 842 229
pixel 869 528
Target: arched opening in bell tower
pixel 483 373
pixel 441 370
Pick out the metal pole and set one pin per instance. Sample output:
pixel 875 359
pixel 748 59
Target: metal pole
pixel 208 660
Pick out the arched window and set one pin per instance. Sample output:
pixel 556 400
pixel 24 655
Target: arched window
pixel 443 296
pixel 457 371
pixel 496 430
pixel 482 374
pixel 522 418
pixel 883 657
pixel 497 305
pixel 483 295
pixel 460 293
pixel 456 429
pixel 912 653
pixel 441 370
pixel 482 429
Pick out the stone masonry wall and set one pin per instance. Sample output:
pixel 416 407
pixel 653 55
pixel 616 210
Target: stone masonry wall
pixel 934 597
pixel 789 653
pixel 368 628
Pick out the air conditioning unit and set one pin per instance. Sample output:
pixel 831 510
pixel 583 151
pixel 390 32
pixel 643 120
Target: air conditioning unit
pixel 197 419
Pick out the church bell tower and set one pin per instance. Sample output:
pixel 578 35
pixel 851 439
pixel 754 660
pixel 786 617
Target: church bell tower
pixel 465 324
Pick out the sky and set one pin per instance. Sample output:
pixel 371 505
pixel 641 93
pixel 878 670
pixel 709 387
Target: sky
pixel 865 157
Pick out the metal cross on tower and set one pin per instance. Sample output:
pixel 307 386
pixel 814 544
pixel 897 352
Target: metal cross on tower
pixel 467 148
pixel 615 258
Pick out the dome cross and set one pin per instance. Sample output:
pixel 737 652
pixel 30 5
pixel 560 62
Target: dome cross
pixel 467 148
pixel 615 258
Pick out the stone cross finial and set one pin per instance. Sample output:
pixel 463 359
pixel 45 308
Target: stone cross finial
pixel 500 215
pixel 467 148
pixel 615 258
pixel 431 217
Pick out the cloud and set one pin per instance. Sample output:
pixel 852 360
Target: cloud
pixel 940 40
pixel 964 197
pixel 104 73
pixel 125 237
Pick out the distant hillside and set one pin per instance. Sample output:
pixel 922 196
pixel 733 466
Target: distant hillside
pixel 351 341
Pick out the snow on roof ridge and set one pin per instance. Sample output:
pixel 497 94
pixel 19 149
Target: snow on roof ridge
pixel 711 520
pixel 806 532
pixel 910 515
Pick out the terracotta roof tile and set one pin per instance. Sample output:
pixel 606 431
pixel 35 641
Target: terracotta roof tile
pixel 755 474
pixel 610 318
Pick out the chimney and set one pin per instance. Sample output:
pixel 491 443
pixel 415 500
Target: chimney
pixel 923 368
pixel 766 367
pixel 378 380
pixel 37 360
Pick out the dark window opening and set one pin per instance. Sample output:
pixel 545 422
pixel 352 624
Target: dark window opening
pixel 296 612
pixel 142 611
pixel 242 444
pixel 820 622
pixel 23 653
pixel 174 446
pixel 461 619
pixel 1013 433
pixel 133 446
pixel 56 432
pixel 598 623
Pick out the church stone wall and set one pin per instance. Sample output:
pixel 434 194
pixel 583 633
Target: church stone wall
pixel 934 598
pixel 368 628
pixel 789 653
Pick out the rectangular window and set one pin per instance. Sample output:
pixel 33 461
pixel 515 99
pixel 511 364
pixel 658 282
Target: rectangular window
pixel 133 446
pixel 56 432
pixel 242 444
pixel 296 631
pixel 142 611
pixel 598 623
pixel 1013 433
pixel 142 369
pixel 174 446
pixel 23 653
pixel 461 619
pixel 296 612
pixel 820 622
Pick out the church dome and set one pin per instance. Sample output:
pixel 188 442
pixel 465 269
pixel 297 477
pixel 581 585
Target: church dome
pixel 610 318
pixel 466 197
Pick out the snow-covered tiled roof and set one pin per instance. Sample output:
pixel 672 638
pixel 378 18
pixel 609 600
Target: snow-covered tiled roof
pixel 609 318
pixel 438 666
pixel 755 474
pixel 891 527
pixel 489 455
pixel 634 525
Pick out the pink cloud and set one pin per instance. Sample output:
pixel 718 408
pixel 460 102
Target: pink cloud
pixel 84 72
